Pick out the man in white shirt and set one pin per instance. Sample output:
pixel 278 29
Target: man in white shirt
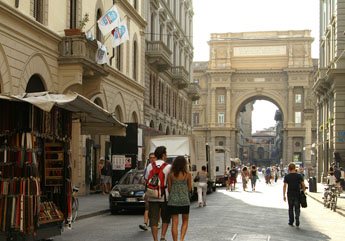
pixel 159 205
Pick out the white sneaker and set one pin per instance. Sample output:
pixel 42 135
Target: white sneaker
pixel 143 226
pixel 159 225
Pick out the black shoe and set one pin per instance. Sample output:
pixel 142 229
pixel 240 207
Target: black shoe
pixel 297 222
pixel 291 224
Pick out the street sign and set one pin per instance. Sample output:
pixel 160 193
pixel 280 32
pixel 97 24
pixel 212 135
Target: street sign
pixel 118 162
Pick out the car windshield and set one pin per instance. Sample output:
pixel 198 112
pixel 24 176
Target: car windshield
pixel 132 178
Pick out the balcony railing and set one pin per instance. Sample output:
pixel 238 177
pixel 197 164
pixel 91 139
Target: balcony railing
pixel 78 50
pixel 159 55
pixel 194 91
pixel 180 76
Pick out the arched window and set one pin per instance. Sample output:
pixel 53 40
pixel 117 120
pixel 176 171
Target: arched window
pixel 38 10
pixel 134 117
pixel 118 113
pixel 98 31
pixel 152 124
pixel 73 14
pixel 160 127
pixel 98 102
pixel 35 84
pixel 135 59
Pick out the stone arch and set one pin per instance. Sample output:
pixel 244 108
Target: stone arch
pixel 252 95
pixel 152 124
pixel 120 101
pixel 167 131
pixel 36 64
pixel 35 84
pixel 5 73
pixel 119 113
pixel 134 117
pixel 135 108
pixel 100 99
pixel 160 128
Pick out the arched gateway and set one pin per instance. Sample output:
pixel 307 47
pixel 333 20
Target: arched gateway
pixel 244 67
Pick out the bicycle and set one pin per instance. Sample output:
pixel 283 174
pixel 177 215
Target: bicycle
pixel 330 197
pixel 75 203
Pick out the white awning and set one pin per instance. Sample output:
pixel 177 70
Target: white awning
pixel 94 119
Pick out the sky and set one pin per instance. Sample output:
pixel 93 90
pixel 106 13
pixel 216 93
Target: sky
pixel 222 16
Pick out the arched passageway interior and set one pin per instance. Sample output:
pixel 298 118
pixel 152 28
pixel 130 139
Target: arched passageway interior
pixel 35 84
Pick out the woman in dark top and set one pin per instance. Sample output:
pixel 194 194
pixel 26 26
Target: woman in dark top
pixel 253 176
pixel 179 186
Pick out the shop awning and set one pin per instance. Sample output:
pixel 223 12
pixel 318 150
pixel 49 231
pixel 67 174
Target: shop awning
pixel 94 119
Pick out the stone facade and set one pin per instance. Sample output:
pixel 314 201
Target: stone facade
pixel 329 88
pixel 33 47
pixel 244 67
pixel 169 55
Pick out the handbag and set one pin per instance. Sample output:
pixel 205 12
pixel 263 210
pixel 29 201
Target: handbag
pixel 196 178
pixel 303 199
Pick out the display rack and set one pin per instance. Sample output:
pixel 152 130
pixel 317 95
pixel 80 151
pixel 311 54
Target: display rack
pixel 54 164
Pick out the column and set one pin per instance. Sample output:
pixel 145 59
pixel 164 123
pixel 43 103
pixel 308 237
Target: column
pixel 285 148
pixel 289 150
pixel 308 115
pixel 213 107
pixel 228 107
pixel 291 104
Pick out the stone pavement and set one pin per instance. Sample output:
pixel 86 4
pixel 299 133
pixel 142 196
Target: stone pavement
pixel 92 205
pixel 319 194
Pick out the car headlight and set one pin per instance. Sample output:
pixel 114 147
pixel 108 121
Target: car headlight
pixel 115 193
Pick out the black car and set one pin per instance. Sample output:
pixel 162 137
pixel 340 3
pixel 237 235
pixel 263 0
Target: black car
pixel 128 193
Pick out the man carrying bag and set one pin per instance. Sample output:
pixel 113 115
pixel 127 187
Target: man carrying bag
pixel 293 182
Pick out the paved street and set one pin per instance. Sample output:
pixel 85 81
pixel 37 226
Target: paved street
pixel 229 216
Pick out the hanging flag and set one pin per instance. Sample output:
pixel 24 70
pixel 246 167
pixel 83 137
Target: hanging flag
pixel 101 54
pixel 120 34
pixel 89 35
pixel 109 21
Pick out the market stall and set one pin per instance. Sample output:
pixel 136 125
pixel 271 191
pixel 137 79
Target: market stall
pixel 35 170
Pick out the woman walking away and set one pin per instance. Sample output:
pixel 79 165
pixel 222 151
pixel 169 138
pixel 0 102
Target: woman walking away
pixel 179 186
pixel 202 186
pixel 253 176
pixel 245 177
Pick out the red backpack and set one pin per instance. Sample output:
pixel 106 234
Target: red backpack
pixel 155 186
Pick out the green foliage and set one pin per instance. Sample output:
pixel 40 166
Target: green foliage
pixel 83 22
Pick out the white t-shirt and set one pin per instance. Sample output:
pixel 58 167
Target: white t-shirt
pixel 166 172
pixel 331 180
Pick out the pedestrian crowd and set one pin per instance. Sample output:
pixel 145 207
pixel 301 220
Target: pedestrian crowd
pixel 167 196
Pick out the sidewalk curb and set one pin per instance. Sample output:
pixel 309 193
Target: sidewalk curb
pixel 339 212
pixel 90 215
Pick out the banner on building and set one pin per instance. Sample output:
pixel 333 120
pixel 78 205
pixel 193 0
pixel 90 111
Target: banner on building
pixel 118 162
pixel 89 35
pixel 109 21
pixel 101 54
pixel 120 34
